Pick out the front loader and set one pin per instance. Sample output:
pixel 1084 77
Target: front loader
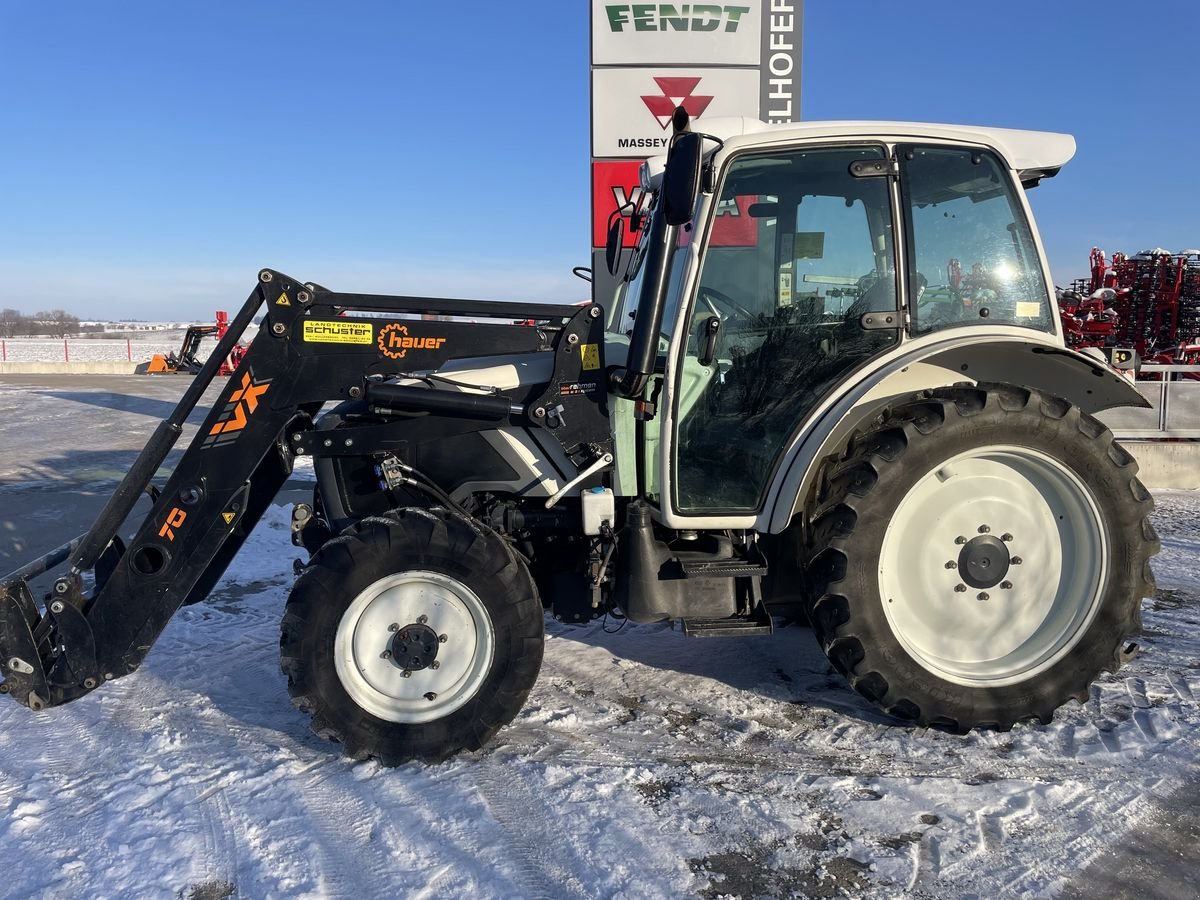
pixel 811 411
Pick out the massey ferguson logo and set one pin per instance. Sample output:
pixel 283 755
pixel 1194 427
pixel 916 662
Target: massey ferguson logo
pixel 395 341
pixel 676 92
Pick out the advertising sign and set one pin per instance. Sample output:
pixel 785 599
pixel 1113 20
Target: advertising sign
pixel 739 58
pixel 632 107
pixel 614 184
pixel 677 33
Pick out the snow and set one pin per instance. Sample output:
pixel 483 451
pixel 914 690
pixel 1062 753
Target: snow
pixel 98 349
pixel 644 765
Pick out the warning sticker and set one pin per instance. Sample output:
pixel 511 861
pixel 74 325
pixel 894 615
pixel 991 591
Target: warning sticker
pixel 590 354
pixel 323 331
pixel 1028 309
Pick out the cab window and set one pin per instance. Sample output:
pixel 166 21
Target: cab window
pixel 972 257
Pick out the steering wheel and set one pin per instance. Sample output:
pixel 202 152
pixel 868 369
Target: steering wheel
pixel 712 298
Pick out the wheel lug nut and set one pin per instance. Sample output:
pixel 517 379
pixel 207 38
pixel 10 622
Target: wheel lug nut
pixel 386 654
pixel 395 626
pixel 982 595
pixel 406 673
pixel 435 665
pixel 960 589
pixel 952 565
pixel 1007 585
pixel 421 620
pixel 1006 537
pixel 1016 560
pixel 430 696
pixel 442 638
pixel 984 529
pixel 960 540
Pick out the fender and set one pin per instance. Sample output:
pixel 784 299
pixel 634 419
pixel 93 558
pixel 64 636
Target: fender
pixel 1014 358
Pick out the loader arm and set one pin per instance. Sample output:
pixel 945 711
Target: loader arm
pixel 313 346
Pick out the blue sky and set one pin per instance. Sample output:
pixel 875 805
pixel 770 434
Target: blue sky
pixel 154 156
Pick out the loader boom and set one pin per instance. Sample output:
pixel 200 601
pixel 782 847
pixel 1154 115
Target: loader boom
pixel 313 346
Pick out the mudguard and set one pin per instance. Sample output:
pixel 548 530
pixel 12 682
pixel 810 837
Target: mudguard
pixel 918 365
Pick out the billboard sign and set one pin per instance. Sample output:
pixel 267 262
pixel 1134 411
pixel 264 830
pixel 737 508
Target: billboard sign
pixel 615 183
pixel 625 34
pixel 632 107
pixel 739 58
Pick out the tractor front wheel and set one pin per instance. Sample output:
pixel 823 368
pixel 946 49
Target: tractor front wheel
pixel 412 636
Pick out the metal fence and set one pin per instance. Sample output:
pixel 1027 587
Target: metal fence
pixel 1174 412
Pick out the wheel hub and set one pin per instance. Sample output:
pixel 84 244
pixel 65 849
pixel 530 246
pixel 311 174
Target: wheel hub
pixel 414 647
pixel 983 561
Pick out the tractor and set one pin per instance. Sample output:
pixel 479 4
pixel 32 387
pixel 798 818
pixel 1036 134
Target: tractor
pixel 831 386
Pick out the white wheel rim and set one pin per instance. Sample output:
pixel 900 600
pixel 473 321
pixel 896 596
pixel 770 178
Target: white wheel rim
pixel 1058 559
pixel 364 641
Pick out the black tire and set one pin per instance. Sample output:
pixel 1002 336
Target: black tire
pixel 850 519
pixel 466 554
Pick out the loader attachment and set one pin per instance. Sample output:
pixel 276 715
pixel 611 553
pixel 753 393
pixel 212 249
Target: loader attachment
pixel 107 608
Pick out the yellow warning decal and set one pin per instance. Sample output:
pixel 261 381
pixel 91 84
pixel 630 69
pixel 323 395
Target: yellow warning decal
pixel 591 356
pixel 323 331
pixel 228 517
pixel 283 300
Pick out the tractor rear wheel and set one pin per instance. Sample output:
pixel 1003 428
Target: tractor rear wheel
pixel 412 636
pixel 979 557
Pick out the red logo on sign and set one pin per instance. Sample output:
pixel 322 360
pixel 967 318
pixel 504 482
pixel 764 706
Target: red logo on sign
pixel 676 92
pixel 614 183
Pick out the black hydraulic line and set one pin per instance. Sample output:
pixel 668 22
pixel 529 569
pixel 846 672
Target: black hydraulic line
pixel 42 564
pixel 406 398
pixel 165 435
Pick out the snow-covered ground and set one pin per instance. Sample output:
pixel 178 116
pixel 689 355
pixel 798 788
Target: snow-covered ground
pixel 644 765
pixel 98 349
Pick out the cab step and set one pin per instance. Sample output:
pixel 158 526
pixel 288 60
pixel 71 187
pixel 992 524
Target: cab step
pixel 723 568
pixel 730 626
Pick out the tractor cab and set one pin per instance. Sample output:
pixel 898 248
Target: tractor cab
pixel 817 253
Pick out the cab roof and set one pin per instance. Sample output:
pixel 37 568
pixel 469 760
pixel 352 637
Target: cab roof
pixel 1034 154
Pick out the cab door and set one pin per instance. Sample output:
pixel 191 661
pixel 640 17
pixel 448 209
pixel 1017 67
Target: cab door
pixel 786 296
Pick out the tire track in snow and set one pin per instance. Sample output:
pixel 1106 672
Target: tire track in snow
pixel 1181 688
pixel 537 847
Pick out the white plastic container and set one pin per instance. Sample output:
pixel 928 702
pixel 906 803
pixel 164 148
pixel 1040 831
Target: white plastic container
pixel 598 507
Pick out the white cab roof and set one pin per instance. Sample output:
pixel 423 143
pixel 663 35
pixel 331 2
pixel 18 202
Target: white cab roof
pixel 1025 151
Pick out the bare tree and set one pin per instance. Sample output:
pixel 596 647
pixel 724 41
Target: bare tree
pixel 10 320
pixel 58 322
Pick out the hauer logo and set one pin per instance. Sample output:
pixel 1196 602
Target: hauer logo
pixel 395 341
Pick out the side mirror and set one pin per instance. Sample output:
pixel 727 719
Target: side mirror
pixel 681 180
pixel 612 246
